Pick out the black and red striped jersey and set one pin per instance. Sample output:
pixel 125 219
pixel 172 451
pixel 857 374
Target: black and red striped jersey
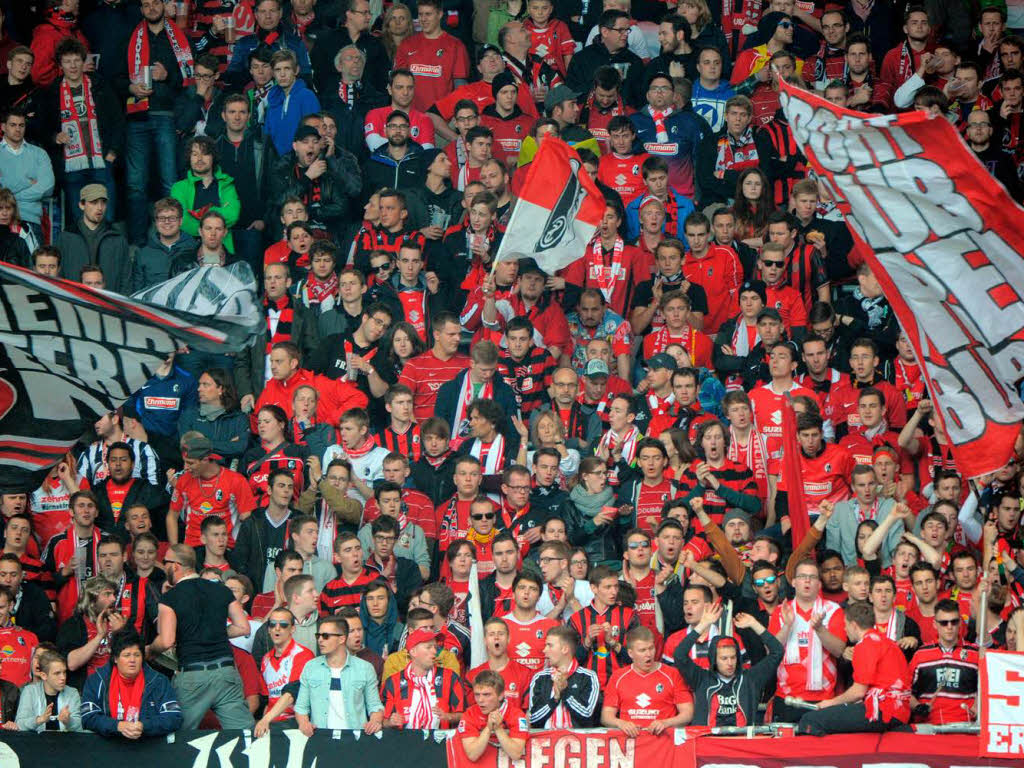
pixel 945 680
pixel 529 378
pixel 603 661
pixel 407 443
pixel 338 592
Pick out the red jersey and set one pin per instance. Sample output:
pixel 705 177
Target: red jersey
pixel 841 404
pixel 879 664
pixel 526 640
pixel 340 592
pixel 509 132
pixel 417 507
pixel 517 682
pixel 910 382
pixel 421 127
pixel 473 721
pixel 16 648
pixel 424 375
pixel 623 174
pixel 788 301
pixel 795 672
pixel 646 602
pixel 278 671
pixel 863 448
pixel 641 699
pixel 50 512
pixel 551 43
pixel 720 274
pixel 826 476
pixel 767 406
pixel 648 500
pixel 227 495
pixel 926 624
pixel 435 64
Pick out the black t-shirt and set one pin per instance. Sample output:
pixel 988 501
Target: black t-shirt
pixel 51 701
pixel 644 295
pixel 202 610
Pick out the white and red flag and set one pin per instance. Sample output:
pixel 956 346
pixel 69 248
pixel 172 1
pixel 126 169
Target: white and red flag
pixel 558 210
pixel 943 238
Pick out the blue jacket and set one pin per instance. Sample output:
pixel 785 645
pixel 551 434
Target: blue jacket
pixel 280 125
pixel 237 73
pixel 684 207
pixel 160 711
pixel 161 401
pixel 685 130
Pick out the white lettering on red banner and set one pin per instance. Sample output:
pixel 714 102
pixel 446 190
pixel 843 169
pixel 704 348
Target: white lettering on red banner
pixel 1002 704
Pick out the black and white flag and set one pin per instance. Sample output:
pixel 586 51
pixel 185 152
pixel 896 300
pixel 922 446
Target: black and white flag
pixel 70 353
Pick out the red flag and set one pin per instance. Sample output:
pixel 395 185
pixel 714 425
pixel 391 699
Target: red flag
pixel 558 210
pixel 943 238
pixel 793 476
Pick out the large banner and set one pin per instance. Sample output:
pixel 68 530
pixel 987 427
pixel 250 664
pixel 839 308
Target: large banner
pixel 1002 704
pixel 944 240
pixel 69 354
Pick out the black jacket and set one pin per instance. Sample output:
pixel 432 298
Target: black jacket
pixel 582 697
pixel 439 483
pixel 250 552
pixel 580 75
pixel 34 612
pixel 380 170
pixel 141 493
pixel 339 186
pixel 109 118
pixel 378 64
pixel 250 165
pixel 747 685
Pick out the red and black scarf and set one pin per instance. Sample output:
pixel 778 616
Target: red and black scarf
pixel 283 332
pixel 139 57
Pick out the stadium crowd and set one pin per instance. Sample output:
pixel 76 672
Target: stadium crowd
pixel 443 492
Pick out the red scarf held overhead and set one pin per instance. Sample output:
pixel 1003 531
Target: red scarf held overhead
pixel 283 332
pixel 138 57
pixel 126 696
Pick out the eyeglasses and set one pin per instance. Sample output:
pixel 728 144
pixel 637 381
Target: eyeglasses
pixel 279 624
pixel 786 24
pixel 483 516
pixel 619 30
pixel 168 219
pixel 384 539
pixel 660 88
pixel 546 560
pixel 200 76
pixel 325 635
pixel 639 545
pixel 765 580
pixel 768 263
pixel 520 488
pixel 170 562
pixel 947 622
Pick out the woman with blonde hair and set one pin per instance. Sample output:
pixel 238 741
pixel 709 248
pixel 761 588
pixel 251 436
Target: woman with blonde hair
pixel 85 637
pixel 17 241
pixel 548 431
pixel 395 27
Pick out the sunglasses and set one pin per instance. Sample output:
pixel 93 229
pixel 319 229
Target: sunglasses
pixel 383 267
pixel 279 624
pixel 484 516
pixel 639 545
pixel 947 622
pixel 325 635
pixel 765 580
pixel 786 24
pixel 768 263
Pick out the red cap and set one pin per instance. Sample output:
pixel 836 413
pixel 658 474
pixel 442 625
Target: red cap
pixel 422 635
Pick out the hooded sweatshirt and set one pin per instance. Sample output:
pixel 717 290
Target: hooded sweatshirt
pixel 719 700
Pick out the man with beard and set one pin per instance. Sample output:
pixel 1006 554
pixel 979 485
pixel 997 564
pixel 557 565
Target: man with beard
pixel 531 302
pixel 677 56
pixel 867 92
pixel 396 163
pixel 582 425
pixel 901 62
pixel 93 466
pixel 996 161
pixel 350 96
pixel 137 598
pixel 402 89
pixel 120 490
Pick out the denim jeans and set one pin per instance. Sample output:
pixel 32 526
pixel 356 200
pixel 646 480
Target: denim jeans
pixel 76 180
pixel 151 139
pixel 249 248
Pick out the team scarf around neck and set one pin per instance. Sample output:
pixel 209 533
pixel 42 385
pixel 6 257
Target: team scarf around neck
pixel 751 456
pixel 603 275
pixel 138 57
pixel 461 420
pixel 814 662
pixel 321 292
pixel 421 700
pixel 283 331
pixel 611 441
pixel 736 154
pixel 491 455
pixel 741 343
pixel 78 156
pixel 659 116
pixel 126 696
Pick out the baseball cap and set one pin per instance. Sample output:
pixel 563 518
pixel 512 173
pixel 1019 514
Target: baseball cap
pixel 596 368
pixel 557 95
pixel 306 131
pixel 485 49
pixel 662 360
pixel 196 446
pixel 91 192
pixel 529 264
pixel 769 312
pixel 421 635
